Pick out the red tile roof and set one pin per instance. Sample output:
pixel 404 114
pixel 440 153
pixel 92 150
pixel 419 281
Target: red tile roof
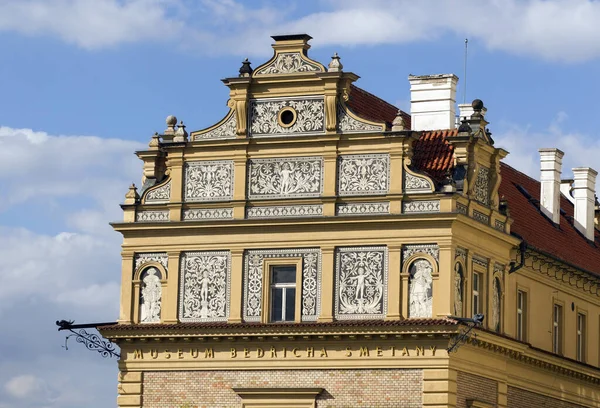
pixel 565 241
pixel 433 155
pixel 370 107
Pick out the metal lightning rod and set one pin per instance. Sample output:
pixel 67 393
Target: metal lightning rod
pixel 465 76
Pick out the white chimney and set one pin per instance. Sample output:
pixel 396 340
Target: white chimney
pixel 465 110
pixel 551 163
pixel 432 101
pixel 566 185
pixel 584 182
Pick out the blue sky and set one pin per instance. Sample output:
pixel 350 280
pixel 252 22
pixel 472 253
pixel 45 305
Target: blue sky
pixel 85 83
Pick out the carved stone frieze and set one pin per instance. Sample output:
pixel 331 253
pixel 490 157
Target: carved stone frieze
pixel 226 130
pixel 363 174
pixel 193 214
pixel 416 184
pixel 152 216
pixel 204 288
pixel 208 180
pixel 461 254
pixel 361 282
pixel 481 217
pixel 253 281
pixel 285 177
pixel 498 268
pixel 461 208
pixel 288 63
pixel 499 225
pixel 144 258
pixel 422 206
pixel 348 124
pixel 482 191
pixel 281 211
pixel 363 208
pixel 431 249
pixel 160 194
pixel 264 116
pixel 481 261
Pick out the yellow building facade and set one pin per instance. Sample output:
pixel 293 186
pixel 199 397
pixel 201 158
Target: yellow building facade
pixel 310 248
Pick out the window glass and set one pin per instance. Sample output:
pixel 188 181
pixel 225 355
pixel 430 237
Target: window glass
pixel 283 293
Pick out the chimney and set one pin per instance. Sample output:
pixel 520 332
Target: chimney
pixel 566 187
pixel 584 182
pixel 465 110
pixel 432 101
pixel 551 163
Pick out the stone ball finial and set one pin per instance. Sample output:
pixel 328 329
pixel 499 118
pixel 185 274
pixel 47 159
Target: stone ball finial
pixel 171 120
pixel 477 105
pixel 398 123
pixel 246 69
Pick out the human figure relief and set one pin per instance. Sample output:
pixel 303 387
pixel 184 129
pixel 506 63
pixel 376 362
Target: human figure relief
pixel 360 279
pixel 458 292
pixel 204 280
pixel 420 289
pixel 150 297
pixel 286 173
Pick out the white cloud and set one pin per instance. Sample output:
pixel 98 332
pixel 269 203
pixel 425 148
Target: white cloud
pixel 23 386
pixel 557 30
pixel 523 143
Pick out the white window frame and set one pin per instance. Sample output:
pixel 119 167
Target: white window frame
pixel 521 315
pixel 557 327
pixel 477 293
pixel 581 333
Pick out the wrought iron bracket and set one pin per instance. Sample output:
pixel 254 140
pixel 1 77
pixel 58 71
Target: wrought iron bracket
pixel 91 341
pixel 465 331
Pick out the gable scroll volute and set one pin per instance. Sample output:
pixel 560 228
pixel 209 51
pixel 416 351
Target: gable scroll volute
pixel 349 122
pixel 224 129
pixel 415 183
pixel 290 57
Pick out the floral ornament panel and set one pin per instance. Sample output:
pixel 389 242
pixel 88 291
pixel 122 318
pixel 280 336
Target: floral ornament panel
pixel 432 250
pixel 482 186
pixel 161 194
pixel 363 174
pixel 204 290
pixel 226 130
pixel 285 177
pixel 416 184
pixel 208 180
pixel 264 116
pixel 347 124
pixel 152 216
pixel 288 63
pixel 361 283
pixel 144 258
pixel 253 281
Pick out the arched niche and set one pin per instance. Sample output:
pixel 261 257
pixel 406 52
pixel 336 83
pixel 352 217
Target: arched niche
pixel 421 270
pixel 149 286
pixel 459 289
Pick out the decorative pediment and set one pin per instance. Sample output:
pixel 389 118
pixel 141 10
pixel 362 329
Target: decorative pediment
pixel 348 122
pixel 288 63
pixel 225 129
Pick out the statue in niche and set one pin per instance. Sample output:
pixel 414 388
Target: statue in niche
pixel 420 289
pixel 496 305
pixel 458 290
pixel 150 296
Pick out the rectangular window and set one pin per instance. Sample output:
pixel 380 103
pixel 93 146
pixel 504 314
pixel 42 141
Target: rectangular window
pixel 581 323
pixel 477 286
pixel 521 315
pixel 557 329
pixel 283 293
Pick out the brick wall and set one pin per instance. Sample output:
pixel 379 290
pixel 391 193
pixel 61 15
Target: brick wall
pixel 474 387
pixel 343 388
pixel 525 399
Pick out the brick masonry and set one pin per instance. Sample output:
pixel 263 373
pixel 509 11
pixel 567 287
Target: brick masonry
pixel 526 399
pixel 474 387
pixel 342 388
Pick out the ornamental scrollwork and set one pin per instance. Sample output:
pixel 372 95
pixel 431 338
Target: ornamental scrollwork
pixel 363 208
pixel 415 184
pixel 481 217
pixel 288 63
pixel 282 211
pixel 264 115
pixel 204 291
pixel 226 130
pixel 208 180
pixel 348 124
pixel 285 177
pixel 253 281
pixel 361 282
pixel 432 250
pixel 482 186
pixel 144 258
pixel 423 206
pixel 161 194
pixel 152 216
pixel 194 214
pixel 363 174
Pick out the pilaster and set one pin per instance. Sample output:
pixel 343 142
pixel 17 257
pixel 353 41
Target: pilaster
pixel 442 301
pixel 327 283
pixel 236 294
pixel 439 388
pixel 169 302
pixel 395 298
pixel 175 166
pixel 126 309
